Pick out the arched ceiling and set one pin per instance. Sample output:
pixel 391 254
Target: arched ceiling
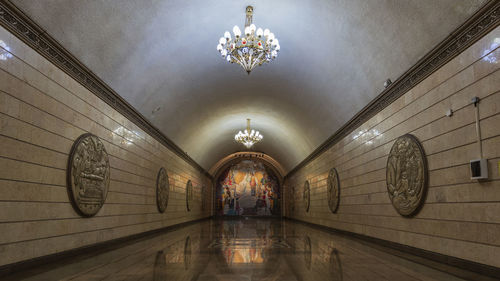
pixel 335 56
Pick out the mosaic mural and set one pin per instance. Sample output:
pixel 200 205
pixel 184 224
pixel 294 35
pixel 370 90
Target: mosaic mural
pixel 248 188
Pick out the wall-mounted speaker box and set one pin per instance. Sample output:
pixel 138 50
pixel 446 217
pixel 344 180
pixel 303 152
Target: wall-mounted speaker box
pixel 479 169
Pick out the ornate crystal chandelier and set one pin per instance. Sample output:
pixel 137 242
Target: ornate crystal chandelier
pixel 256 47
pixel 248 137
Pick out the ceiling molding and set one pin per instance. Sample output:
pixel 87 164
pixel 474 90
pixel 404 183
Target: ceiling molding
pixel 478 25
pixel 19 24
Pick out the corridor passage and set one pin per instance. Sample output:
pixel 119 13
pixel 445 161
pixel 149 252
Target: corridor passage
pixel 245 249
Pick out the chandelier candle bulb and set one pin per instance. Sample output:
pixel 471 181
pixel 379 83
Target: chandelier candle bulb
pixel 252 28
pixel 256 48
pixel 260 32
pixel 236 31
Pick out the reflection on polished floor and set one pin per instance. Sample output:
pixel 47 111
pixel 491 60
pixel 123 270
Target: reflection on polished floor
pixel 245 249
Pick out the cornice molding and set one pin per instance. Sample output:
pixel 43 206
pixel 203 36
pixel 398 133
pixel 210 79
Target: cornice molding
pixel 478 25
pixel 19 24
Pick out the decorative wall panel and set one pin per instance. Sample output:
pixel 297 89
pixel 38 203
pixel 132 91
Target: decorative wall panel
pixel 162 190
pixel 88 175
pixel 306 195
pixel 189 195
pixel 406 175
pixel 333 188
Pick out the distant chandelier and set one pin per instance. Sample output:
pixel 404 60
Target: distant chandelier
pixel 255 48
pixel 248 137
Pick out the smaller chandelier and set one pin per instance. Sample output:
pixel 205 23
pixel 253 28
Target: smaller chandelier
pixel 256 47
pixel 248 137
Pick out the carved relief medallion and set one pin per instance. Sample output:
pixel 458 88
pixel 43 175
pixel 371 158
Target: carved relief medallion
pixel 306 196
pixel 88 175
pixel 189 195
pixel 162 190
pixel 333 188
pixel 407 175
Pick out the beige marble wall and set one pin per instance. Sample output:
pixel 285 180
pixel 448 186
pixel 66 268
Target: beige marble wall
pixel 461 217
pixel 42 112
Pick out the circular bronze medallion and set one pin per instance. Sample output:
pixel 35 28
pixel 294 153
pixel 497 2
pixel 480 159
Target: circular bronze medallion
pixel 333 187
pixel 88 175
pixel 306 196
pixel 407 175
pixel 189 195
pixel 162 190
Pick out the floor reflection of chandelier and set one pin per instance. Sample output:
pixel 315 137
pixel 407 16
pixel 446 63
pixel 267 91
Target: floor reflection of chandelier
pixel 248 137
pixel 256 47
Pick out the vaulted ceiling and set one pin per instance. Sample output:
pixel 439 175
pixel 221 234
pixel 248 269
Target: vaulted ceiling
pixel 335 56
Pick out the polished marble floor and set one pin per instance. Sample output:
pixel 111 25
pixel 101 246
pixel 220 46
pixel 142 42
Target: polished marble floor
pixel 245 249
